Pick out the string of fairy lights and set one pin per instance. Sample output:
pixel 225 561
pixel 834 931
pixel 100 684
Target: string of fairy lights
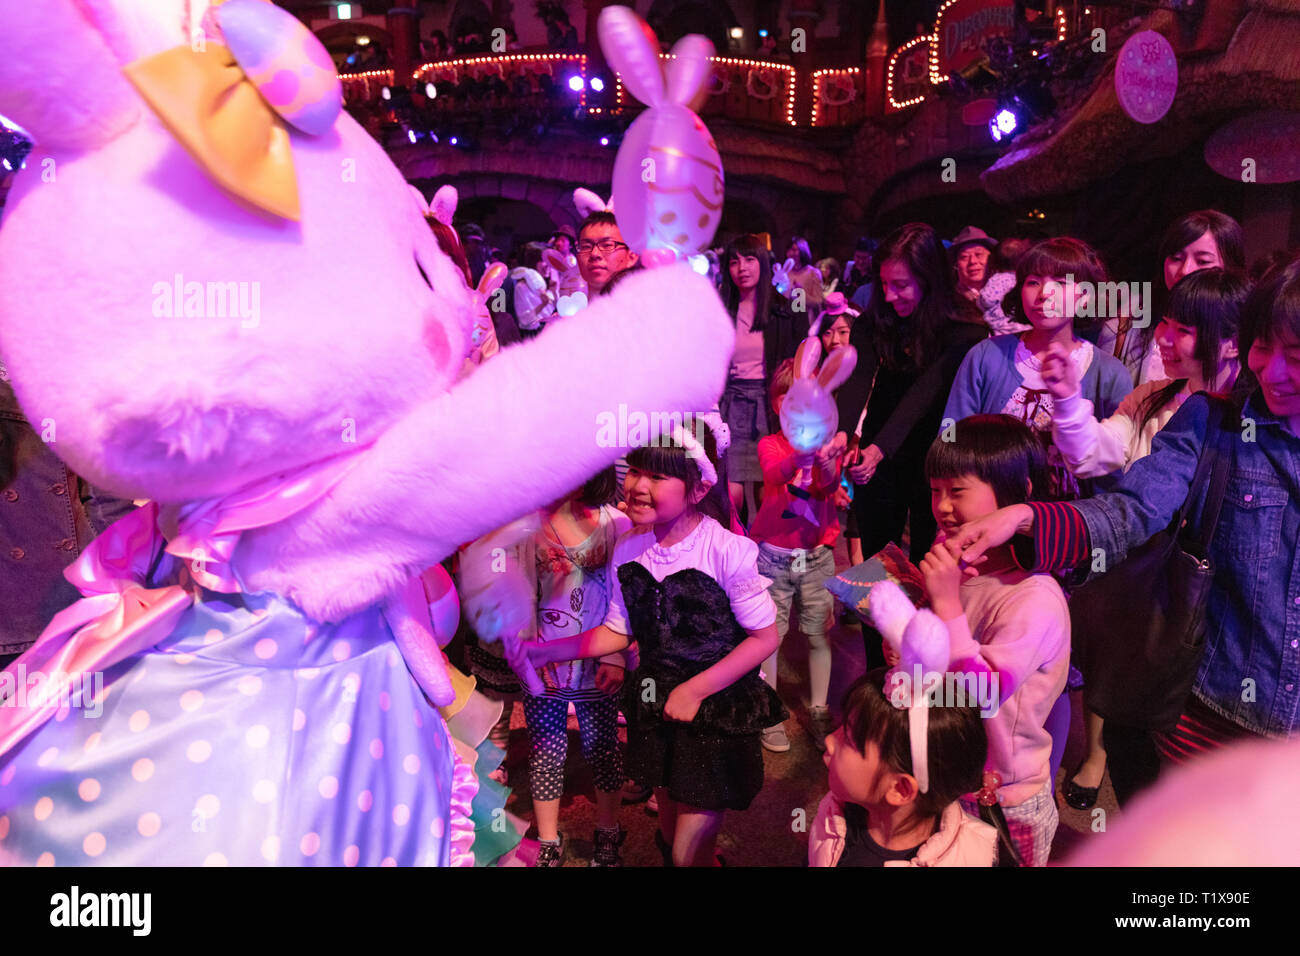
pixel 779 78
pixel 581 82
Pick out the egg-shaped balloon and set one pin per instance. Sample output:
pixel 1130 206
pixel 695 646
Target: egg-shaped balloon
pixel 808 417
pixel 284 60
pixel 668 184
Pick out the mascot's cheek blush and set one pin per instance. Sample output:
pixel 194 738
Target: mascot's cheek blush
pixel 435 340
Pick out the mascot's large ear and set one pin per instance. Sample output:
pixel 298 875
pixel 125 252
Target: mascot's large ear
pixel 61 75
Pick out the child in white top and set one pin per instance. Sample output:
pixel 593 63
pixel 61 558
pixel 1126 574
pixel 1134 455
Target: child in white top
pixel 689 592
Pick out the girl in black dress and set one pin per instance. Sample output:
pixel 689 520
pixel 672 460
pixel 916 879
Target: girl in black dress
pixel 688 592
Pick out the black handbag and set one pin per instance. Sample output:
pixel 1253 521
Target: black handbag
pixel 1139 628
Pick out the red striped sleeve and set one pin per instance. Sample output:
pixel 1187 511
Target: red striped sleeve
pixel 1059 540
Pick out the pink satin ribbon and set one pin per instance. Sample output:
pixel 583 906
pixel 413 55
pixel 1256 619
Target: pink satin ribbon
pixel 119 616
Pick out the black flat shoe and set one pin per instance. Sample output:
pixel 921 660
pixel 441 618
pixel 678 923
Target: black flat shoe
pixel 1081 798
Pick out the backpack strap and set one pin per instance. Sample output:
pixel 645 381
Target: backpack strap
pixel 1217 457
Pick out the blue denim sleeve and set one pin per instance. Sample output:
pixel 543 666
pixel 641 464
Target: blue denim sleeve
pixel 1152 491
pixel 102 509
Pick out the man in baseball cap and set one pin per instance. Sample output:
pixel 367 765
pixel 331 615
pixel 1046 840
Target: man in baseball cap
pixel 970 256
pixel 564 239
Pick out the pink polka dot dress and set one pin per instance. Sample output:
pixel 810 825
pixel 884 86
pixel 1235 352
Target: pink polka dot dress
pixel 252 736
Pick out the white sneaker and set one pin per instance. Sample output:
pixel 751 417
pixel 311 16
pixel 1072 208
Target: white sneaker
pixel 775 740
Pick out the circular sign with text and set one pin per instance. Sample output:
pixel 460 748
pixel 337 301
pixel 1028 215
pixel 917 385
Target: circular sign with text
pixel 1261 147
pixel 1146 76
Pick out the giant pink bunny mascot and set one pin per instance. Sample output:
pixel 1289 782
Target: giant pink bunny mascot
pixel 242 318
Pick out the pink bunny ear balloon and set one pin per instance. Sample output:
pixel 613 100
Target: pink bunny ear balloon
pixel 808 413
pixel 668 183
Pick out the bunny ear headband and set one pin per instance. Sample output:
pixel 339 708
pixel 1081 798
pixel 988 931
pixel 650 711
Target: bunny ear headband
pixel 588 202
pixel 443 207
pixel 921 641
pixel 682 437
pixel 226 96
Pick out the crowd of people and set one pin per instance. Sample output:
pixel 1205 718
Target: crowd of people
pixel 1002 420
pixel 998 424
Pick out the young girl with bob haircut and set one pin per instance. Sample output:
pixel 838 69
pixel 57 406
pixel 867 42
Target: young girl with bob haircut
pixel 875 813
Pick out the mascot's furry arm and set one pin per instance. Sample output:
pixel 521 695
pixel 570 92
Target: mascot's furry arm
pixel 553 401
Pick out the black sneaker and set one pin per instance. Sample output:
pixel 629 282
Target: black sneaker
pixel 550 854
pixel 609 846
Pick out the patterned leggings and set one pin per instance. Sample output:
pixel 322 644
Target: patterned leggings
pixel 547 719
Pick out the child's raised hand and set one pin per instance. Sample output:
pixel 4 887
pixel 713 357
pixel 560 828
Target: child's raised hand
pixel 942 580
pixel 829 451
pixel 1059 374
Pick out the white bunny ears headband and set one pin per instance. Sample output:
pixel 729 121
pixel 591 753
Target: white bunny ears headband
pixel 443 207
pixel 682 437
pixel 588 202
pixel 922 643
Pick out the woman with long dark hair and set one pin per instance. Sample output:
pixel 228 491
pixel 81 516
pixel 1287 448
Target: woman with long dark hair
pixel 766 335
pixel 910 342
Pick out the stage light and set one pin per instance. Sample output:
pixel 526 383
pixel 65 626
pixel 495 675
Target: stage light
pixel 737 33
pixel 576 84
pixel 386 93
pixel 604 141
pixel 344 11
pixel 762 34
pixel 597 84
pixel 1003 124
pixel 412 135
pixel 363 41
pixel 430 90
pixel 455 141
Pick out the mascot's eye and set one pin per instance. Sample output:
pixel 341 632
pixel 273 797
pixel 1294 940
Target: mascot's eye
pixel 423 275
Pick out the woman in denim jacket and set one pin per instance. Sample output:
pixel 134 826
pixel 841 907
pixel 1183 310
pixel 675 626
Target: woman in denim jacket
pixel 1248 683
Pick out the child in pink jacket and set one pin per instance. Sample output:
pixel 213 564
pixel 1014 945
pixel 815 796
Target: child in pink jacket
pixel 875 813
